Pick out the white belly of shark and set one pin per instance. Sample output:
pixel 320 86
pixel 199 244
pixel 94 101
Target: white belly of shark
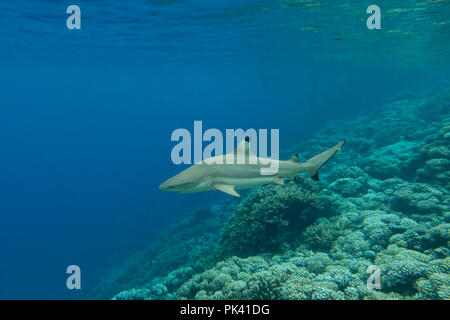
pixel 227 178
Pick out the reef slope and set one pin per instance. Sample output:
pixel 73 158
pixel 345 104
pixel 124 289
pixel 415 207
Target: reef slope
pixel 384 201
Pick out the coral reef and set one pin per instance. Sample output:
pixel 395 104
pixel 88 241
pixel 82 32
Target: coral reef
pixel 272 216
pixel 180 245
pixel 382 202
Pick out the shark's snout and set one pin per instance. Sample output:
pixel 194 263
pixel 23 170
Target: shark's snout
pixel 169 185
pixel 178 184
pixel 164 186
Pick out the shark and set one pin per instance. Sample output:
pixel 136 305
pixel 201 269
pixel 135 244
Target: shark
pixel 216 173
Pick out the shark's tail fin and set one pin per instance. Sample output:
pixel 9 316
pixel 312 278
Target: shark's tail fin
pixel 313 165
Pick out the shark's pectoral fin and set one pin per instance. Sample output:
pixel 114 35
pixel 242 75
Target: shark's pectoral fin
pixel 227 188
pixel 278 180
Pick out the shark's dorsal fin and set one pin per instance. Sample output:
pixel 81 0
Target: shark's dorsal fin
pixel 242 154
pixel 227 188
pixel 243 147
pixel 294 158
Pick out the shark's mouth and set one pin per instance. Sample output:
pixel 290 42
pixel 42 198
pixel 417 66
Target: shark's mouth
pixel 187 185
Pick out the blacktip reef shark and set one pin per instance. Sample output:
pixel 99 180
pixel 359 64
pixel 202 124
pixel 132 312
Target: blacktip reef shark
pixel 216 173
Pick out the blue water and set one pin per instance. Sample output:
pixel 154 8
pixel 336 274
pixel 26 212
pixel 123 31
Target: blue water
pixel 86 115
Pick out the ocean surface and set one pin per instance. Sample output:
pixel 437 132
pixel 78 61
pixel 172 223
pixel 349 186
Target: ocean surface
pixel 86 118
